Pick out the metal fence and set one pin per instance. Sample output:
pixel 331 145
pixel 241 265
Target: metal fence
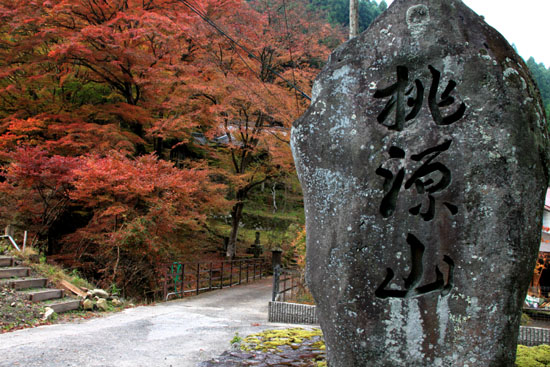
pixel 181 278
pixel 285 283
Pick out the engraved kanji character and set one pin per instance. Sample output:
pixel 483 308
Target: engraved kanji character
pixel 446 100
pixel 429 185
pixel 398 93
pixel 412 287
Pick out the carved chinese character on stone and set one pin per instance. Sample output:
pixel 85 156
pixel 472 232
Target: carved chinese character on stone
pixel 413 287
pixel 423 160
pixel 398 93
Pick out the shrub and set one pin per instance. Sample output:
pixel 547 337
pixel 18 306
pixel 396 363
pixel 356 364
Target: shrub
pixel 533 356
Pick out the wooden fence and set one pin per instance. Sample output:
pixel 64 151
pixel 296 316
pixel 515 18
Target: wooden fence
pixel 182 278
pixel 285 282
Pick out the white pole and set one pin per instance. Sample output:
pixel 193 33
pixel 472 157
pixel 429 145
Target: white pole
pixel 24 240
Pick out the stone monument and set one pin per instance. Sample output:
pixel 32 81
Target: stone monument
pixel 424 164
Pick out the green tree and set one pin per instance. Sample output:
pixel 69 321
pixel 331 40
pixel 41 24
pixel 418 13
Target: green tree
pixel 337 11
pixel 542 77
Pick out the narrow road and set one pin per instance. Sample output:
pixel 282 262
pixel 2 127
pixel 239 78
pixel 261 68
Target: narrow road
pixel 178 333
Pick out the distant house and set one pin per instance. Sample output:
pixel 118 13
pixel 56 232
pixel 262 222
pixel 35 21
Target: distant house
pixel 545 238
pixel 540 285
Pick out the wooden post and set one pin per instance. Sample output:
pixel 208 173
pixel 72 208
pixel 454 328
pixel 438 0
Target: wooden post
pixel 198 276
pixel 221 276
pixel 284 287
pixel 210 281
pixel 182 280
pixel 230 273
pixel 276 274
pixel 353 19
pixel 165 283
pixel 240 270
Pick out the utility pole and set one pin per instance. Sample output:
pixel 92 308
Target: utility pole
pixel 353 18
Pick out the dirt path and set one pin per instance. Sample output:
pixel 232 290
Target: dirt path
pixel 177 333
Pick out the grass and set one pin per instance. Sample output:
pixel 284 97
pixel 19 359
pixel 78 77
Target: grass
pixel 16 312
pixel 56 275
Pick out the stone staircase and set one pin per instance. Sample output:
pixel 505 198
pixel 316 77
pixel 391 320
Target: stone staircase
pixel 34 289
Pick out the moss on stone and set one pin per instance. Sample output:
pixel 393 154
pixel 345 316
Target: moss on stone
pixel 271 340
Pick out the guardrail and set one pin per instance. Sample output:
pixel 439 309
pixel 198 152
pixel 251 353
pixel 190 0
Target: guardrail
pixel 10 238
pixel 181 278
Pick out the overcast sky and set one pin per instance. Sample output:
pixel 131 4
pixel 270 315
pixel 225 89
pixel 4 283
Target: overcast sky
pixel 524 23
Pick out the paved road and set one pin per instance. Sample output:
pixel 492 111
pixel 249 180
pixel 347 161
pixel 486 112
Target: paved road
pixel 177 333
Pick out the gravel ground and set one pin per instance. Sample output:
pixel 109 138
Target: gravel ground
pixel 179 333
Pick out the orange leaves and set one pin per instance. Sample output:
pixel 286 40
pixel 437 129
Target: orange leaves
pixel 36 188
pixel 145 188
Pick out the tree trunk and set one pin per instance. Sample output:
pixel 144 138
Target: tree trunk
pixel 236 215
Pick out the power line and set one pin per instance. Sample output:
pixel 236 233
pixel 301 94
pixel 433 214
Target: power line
pixel 250 53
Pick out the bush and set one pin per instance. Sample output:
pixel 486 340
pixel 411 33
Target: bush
pixel 533 356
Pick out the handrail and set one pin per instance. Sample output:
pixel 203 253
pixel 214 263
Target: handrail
pixel 195 277
pixel 280 277
pixel 11 240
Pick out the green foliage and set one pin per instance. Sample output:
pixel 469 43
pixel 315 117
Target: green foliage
pixel 525 319
pixel 542 77
pixel 533 356
pixel 236 339
pixel 337 11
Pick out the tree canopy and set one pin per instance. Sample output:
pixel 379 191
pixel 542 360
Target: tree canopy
pixel 126 124
pixel 542 77
pixel 337 11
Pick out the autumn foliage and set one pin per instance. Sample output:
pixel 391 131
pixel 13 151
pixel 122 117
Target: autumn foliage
pixel 100 106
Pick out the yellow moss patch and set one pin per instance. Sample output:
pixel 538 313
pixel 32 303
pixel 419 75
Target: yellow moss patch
pixel 270 340
pixel 533 356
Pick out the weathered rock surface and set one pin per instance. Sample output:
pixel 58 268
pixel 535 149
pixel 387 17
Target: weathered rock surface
pixel 306 354
pixel 48 312
pixel 88 304
pixel 102 304
pixel 423 161
pixel 99 293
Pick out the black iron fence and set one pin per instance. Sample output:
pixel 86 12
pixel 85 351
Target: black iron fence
pixel 286 283
pixel 182 278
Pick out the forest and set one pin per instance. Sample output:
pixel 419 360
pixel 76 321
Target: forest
pixel 137 132
pixel 542 77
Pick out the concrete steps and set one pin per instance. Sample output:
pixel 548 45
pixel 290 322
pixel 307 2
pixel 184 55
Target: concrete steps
pixel 34 289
